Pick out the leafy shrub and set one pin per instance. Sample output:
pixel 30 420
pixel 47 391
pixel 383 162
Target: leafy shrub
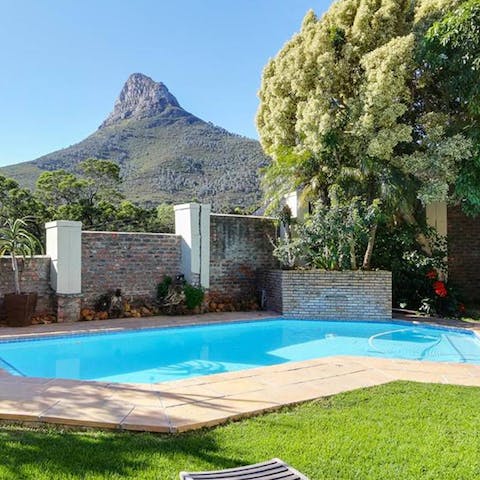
pixel 398 250
pixel 443 299
pixel 193 296
pixel 162 288
pixel 177 294
pixel 331 238
pixel 288 251
pixel 102 303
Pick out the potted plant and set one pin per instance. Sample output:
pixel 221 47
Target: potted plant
pixel 17 241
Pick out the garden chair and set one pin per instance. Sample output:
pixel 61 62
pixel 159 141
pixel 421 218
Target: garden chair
pixel 274 469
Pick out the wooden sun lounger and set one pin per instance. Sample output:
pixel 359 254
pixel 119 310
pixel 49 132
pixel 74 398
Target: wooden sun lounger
pixel 274 469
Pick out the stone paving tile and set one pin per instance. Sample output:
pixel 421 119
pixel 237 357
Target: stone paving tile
pixel 286 395
pixel 292 366
pixel 399 365
pixel 434 368
pixel 26 410
pixel 150 418
pixel 368 361
pixel 75 392
pixel 137 396
pixel 217 377
pixel 93 414
pixel 143 387
pixel 193 416
pixel 474 372
pixel 20 392
pixel 242 385
pixel 347 382
pixel 13 379
pixel 300 375
pixel 420 376
pixel 182 384
pixel 462 380
pixel 185 395
pixel 252 402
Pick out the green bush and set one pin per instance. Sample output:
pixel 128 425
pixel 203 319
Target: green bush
pixel 398 250
pixel 193 296
pixel 180 293
pixel 162 288
pixel 443 299
pixel 332 237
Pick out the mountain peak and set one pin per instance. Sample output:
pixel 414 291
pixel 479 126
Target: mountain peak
pixel 141 97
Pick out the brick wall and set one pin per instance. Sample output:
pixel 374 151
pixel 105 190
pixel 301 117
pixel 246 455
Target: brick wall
pixel 330 295
pixel 239 251
pixel 35 277
pixel 464 254
pixel 133 262
pixel 272 285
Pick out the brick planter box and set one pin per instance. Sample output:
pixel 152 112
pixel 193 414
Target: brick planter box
pixel 347 295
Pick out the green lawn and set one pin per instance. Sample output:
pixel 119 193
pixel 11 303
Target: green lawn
pixel 396 431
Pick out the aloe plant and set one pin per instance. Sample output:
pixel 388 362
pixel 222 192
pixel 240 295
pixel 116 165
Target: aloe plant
pixel 17 241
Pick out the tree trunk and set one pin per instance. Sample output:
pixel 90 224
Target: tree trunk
pixel 420 237
pixel 369 251
pixel 16 276
pixel 353 257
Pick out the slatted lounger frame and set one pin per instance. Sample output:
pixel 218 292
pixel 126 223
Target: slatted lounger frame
pixel 274 469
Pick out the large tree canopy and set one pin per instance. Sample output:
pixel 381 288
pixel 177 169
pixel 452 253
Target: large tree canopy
pixel 17 202
pixel 349 104
pixel 346 96
pixel 90 197
pixel 450 62
pixel 93 196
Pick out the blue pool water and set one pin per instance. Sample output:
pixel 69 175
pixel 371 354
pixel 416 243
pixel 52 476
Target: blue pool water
pixel 156 355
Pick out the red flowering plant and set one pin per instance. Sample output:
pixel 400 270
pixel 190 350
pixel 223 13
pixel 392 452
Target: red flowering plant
pixel 413 269
pixel 440 289
pixel 432 275
pixel 443 301
pixel 418 281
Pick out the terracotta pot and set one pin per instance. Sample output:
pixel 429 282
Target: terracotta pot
pixel 20 308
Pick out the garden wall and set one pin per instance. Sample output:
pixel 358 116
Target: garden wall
pixel 133 262
pixel 464 254
pixel 330 295
pixel 231 256
pixel 35 277
pixel 240 250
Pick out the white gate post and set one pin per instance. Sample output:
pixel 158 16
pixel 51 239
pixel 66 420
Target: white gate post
pixel 192 223
pixel 64 247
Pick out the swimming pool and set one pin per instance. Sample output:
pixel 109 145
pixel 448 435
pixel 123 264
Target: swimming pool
pixel 162 354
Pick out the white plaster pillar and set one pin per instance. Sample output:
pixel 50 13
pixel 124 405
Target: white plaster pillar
pixel 297 207
pixel 64 247
pixel 205 211
pixel 192 223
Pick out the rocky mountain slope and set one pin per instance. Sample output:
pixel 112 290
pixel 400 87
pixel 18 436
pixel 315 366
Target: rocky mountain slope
pixel 165 152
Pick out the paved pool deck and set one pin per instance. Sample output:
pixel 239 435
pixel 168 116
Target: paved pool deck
pixel 182 405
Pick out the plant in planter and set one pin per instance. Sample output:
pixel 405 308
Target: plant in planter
pixel 331 238
pixel 17 241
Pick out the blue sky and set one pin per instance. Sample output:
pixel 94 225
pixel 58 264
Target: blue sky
pixel 65 61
